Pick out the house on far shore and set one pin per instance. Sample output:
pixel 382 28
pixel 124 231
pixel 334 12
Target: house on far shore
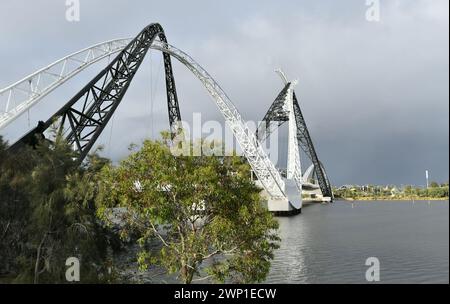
pixel 395 191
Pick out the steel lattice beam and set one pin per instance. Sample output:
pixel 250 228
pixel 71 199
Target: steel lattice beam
pixel 276 113
pixel 83 118
pixel 307 145
pixel 23 94
pixel 264 169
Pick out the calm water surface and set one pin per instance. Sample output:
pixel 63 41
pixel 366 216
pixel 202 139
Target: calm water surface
pixel 330 243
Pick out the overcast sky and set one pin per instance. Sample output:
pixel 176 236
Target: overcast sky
pixel 374 94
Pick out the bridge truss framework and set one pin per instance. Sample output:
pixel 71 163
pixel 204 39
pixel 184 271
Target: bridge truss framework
pixel 83 118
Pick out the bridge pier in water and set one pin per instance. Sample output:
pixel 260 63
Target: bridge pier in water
pixel 290 204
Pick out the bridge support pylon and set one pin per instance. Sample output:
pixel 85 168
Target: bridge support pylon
pixel 290 204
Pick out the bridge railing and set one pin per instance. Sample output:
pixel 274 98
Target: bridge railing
pixel 23 94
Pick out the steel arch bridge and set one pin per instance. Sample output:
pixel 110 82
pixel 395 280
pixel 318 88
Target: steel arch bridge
pixel 82 119
pixel 277 115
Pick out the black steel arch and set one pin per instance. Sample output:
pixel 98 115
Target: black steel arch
pixel 276 113
pixel 88 112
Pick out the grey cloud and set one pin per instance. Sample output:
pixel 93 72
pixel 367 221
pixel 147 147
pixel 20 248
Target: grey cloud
pixel 375 95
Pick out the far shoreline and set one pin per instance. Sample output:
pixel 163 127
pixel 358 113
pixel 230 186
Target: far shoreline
pixel 392 199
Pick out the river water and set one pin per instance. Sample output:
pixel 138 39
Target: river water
pixel 330 243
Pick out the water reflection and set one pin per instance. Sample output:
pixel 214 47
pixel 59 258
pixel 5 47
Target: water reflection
pixel 330 243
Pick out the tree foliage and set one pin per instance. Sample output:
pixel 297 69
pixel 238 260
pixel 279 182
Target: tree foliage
pixel 204 211
pixel 435 191
pixel 47 214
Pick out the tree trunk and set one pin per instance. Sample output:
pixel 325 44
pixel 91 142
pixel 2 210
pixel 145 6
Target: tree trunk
pixel 38 258
pixel 187 274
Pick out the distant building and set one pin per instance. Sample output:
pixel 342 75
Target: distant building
pixel 395 191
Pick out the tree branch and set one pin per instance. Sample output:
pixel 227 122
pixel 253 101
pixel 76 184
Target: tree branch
pixel 202 279
pixel 159 235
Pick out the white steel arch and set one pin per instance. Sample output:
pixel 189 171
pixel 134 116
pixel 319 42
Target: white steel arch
pixel 294 168
pixel 308 173
pixel 20 96
pixel 264 169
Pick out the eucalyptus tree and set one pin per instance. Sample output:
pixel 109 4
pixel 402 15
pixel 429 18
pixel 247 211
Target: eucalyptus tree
pixel 205 213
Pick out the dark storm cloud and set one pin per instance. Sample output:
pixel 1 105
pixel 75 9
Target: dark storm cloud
pixel 374 94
